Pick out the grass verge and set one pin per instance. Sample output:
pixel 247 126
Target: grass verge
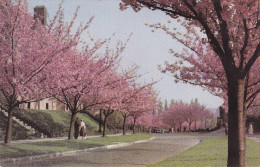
pixel 37 148
pixel 212 152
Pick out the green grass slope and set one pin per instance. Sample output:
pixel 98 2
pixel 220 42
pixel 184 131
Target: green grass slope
pixel 53 123
pixel 18 131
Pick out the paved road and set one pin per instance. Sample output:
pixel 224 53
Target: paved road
pixel 141 154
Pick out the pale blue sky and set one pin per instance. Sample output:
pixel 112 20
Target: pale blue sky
pixel 146 49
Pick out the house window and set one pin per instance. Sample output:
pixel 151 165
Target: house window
pixel 29 105
pixel 47 106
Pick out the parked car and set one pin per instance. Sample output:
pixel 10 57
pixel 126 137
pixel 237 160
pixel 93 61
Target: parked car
pixel 158 130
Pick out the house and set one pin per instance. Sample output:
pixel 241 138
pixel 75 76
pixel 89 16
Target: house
pixel 45 104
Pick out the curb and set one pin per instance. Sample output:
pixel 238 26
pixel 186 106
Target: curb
pixel 69 153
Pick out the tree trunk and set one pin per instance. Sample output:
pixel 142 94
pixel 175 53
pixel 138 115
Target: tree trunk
pixel 180 127
pixel 104 126
pixel 100 121
pixel 189 126
pixel 8 133
pixel 134 126
pixel 236 124
pixel 195 125
pixel 124 125
pixel 72 121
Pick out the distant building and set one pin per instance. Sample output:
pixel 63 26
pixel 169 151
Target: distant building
pixel 40 13
pixel 45 104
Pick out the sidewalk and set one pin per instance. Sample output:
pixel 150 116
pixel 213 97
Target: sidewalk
pixel 56 139
pixel 255 137
pixel 221 132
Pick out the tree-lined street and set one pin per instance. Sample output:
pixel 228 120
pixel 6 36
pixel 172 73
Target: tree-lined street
pixel 149 152
pixel 59 77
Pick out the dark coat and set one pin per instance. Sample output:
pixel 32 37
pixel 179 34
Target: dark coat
pixel 76 128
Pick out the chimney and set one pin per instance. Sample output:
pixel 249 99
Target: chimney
pixel 40 13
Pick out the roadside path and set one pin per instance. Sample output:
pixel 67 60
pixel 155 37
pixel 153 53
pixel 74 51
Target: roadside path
pixel 57 138
pixel 221 132
pixel 255 138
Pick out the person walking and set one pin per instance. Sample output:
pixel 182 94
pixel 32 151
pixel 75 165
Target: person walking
pixel 82 129
pixel 250 129
pixel 77 124
pixel 226 129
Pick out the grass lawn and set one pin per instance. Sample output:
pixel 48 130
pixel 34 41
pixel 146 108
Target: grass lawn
pixel 63 118
pixel 36 148
pixel 212 152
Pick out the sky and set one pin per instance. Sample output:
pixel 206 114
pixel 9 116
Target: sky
pixel 145 48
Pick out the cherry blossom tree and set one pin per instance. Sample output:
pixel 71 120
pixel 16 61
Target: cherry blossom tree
pixel 188 114
pixel 211 76
pixel 73 83
pixel 81 75
pixel 129 101
pixel 231 33
pixel 143 102
pixel 145 121
pixel 169 118
pixel 156 120
pixel 111 96
pixel 192 113
pixel 27 49
pixel 179 113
